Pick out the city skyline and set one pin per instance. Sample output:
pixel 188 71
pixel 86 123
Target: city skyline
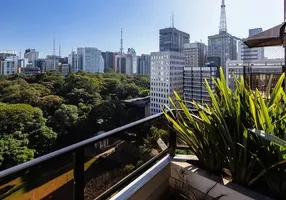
pixel 98 23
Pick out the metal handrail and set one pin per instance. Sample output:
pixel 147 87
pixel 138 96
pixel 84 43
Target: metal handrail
pixel 74 147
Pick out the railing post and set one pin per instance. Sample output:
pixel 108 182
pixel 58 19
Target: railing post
pixel 79 174
pixel 172 142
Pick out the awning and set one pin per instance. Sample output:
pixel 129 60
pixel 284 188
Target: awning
pixel 270 37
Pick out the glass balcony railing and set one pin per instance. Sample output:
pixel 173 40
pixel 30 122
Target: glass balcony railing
pixel 95 168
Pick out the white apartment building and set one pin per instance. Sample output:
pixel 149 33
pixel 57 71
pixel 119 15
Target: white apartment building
pixel 32 55
pixel 124 64
pixel 90 60
pixel 256 73
pixel 167 76
pixel 10 65
pixel 194 80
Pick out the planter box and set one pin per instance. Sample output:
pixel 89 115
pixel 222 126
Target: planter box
pixel 197 182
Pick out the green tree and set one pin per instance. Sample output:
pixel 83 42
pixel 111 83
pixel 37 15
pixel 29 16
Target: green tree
pixel 64 119
pixel 23 134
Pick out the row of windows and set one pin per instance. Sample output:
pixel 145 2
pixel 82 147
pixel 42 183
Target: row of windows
pixel 159 95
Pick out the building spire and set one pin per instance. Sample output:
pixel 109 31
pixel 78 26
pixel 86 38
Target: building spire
pixel 223 24
pixel 121 42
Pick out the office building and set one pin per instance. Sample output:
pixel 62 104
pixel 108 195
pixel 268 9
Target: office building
pixel 124 64
pixel 32 55
pixel 41 63
pixel 90 60
pixel 256 73
pixel 72 61
pixel 65 69
pixel 52 63
pixel 172 39
pixel 223 44
pixel 246 53
pixel 10 65
pixel 143 64
pixel 6 54
pixel 167 76
pixel 194 88
pixel 108 59
pixel 195 54
pixel 30 70
pixel 214 61
pixel 132 52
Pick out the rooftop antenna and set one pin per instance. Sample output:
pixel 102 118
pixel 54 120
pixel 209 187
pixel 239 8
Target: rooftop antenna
pixel 54 53
pixel 60 52
pixel 173 21
pixel 121 42
pixel 223 24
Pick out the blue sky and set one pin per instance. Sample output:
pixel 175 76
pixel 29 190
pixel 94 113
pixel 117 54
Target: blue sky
pixel 97 23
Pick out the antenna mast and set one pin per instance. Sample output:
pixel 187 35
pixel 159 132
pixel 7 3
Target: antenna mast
pixel 121 42
pixel 223 24
pixel 173 21
pixel 54 53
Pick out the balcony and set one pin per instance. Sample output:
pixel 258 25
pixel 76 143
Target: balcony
pixel 111 166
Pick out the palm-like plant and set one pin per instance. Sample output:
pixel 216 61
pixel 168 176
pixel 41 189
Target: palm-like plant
pixel 219 135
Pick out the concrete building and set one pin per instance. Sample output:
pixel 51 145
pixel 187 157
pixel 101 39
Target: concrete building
pixel 143 64
pixel 52 62
pixel 132 52
pixel 214 61
pixel 72 61
pixel 172 39
pixel 10 65
pixel 90 60
pixel 223 45
pixel 6 54
pixel 41 63
pixel 32 55
pixel 65 69
pixel 194 80
pixel 29 70
pixel 124 64
pixel 245 53
pixel 256 73
pixel 195 54
pixel 167 76
pixel 108 59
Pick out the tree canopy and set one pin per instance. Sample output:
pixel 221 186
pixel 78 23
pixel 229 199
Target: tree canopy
pixel 43 112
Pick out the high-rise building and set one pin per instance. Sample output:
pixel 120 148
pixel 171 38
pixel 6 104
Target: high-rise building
pixel 194 80
pixel 214 61
pixel 223 44
pixel 52 62
pixel 65 69
pixel 246 53
pixel 167 75
pixel 11 65
pixel 124 64
pixel 195 54
pixel 90 60
pixel 144 64
pixel 40 63
pixel 72 61
pixel 172 39
pixel 32 55
pixel 132 52
pixel 3 56
pixel 108 59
